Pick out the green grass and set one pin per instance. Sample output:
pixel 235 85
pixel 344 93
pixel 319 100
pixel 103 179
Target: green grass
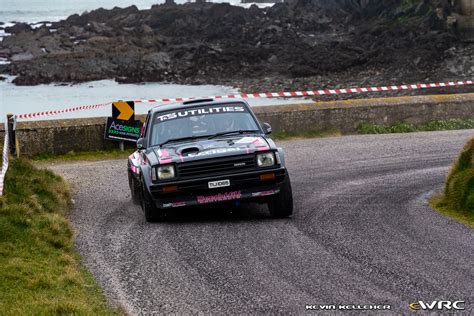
pixel 85 155
pixel 457 199
pixel 364 128
pixel 40 272
pixel 280 135
pixel 441 125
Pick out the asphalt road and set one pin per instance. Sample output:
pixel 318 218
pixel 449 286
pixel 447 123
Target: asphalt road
pixel 362 233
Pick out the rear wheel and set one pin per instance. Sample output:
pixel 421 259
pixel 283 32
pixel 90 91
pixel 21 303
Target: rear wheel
pixel 152 213
pixel 281 204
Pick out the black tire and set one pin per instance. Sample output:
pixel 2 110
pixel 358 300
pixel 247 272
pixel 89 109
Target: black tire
pixel 281 204
pixel 134 189
pixel 152 213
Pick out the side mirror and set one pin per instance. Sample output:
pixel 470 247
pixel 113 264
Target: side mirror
pixel 141 143
pixel 267 128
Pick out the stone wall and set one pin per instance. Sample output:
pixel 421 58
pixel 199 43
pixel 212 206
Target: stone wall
pixel 346 116
pixel 62 136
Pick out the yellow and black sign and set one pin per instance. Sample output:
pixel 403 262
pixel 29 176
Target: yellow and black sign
pixel 123 110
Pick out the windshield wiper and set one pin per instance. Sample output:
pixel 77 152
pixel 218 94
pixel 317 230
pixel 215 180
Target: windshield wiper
pixel 181 139
pixel 242 131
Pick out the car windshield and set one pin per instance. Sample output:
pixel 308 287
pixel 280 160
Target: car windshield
pixel 202 121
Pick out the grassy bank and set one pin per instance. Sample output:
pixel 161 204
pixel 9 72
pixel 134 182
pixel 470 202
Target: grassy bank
pixel 443 125
pixel 85 155
pixel 457 199
pixel 278 135
pixel 365 128
pixel 117 154
pixel 40 271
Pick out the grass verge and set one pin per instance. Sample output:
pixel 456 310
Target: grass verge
pixel 85 155
pixel 457 199
pixel 441 125
pixel 304 134
pixel 365 128
pixel 40 271
pixel 117 154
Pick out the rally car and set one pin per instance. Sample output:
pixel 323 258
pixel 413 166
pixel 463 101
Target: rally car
pixel 204 152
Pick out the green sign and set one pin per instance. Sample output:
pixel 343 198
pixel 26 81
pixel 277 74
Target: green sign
pixel 122 130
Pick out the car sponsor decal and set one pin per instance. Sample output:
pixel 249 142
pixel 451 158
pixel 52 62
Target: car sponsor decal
pixel 134 169
pixel 220 197
pixel 199 111
pixel 164 156
pixel 216 151
pixel 264 193
pixel 175 204
pixel 258 142
pixel 134 162
pixel 246 140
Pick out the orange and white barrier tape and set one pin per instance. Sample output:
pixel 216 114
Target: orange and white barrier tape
pixel 318 92
pixel 284 94
pixel 4 158
pixel 57 112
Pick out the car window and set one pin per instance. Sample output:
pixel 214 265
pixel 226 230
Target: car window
pixel 201 121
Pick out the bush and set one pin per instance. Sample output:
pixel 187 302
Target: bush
pixel 459 190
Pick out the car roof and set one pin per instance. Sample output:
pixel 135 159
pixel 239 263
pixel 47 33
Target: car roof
pixel 194 102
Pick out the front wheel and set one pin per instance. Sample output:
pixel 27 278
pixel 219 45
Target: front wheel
pixel 152 213
pixel 134 189
pixel 281 204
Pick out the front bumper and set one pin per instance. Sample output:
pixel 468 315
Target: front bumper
pixel 243 186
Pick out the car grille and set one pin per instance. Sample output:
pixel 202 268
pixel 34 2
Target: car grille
pixel 217 166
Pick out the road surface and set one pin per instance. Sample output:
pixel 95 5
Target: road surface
pixel 362 233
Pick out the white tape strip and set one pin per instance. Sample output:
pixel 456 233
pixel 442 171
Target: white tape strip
pixel 316 92
pixel 4 158
pixel 261 95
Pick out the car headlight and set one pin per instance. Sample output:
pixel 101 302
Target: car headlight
pixel 165 172
pixel 265 160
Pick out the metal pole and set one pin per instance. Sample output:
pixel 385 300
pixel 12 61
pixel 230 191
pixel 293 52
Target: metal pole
pixel 10 124
pixel 122 146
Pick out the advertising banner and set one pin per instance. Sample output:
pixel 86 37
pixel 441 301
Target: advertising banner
pixel 122 130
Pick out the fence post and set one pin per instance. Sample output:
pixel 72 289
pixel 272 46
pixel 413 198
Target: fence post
pixel 10 124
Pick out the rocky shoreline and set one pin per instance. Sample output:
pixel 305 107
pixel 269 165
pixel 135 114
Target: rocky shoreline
pixel 289 46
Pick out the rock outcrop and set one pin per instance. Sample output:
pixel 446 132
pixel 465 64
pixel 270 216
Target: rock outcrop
pixel 213 43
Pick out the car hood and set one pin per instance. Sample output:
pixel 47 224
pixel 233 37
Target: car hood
pixel 210 148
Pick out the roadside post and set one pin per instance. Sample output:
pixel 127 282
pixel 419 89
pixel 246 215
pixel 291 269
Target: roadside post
pixel 12 140
pixel 122 126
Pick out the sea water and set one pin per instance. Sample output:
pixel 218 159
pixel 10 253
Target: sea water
pixel 28 99
pixel 32 11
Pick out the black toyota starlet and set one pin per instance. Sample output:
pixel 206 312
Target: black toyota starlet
pixel 203 152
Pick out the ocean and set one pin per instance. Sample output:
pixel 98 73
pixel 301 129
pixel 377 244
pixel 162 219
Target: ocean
pixel 27 99
pixel 32 11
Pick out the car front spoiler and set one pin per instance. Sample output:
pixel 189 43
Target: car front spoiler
pixel 244 186
pixel 220 197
